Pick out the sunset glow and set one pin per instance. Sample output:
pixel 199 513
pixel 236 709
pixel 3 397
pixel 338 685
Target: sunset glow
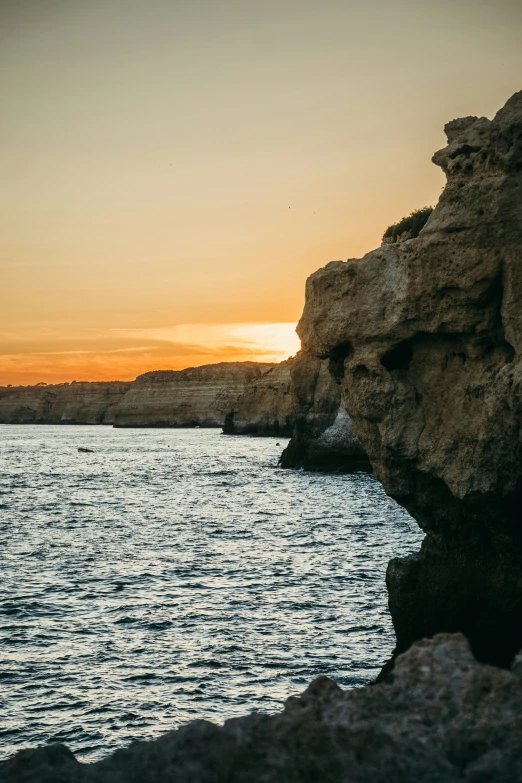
pixel 173 172
pixel 121 354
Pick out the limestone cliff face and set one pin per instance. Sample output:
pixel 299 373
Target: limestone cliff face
pixel 64 403
pixel 427 339
pixel 265 407
pixel 323 437
pixel 197 396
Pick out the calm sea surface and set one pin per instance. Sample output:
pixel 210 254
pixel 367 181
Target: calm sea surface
pixel 175 574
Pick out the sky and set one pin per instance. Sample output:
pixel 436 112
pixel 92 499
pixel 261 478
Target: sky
pixel 172 171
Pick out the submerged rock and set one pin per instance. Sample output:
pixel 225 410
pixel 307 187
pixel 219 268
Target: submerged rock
pixel 426 337
pixel 443 718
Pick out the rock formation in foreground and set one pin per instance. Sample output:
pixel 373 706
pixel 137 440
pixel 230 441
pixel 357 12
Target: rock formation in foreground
pixel 63 403
pixel 197 396
pixel 265 407
pixel 427 338
pixel 323 436
pixel 444 718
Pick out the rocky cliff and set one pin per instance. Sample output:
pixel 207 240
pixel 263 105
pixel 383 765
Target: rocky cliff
pixel 323 436
pixel 265 407
pixel 64 403
pixel 197 396
pixel 444 718
pixel 426 337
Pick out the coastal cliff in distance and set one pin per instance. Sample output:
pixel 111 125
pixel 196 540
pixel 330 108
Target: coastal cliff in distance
pixel 426 336
pixel 63 403
pixel 265 406
pixel 323 436
pixel 197 396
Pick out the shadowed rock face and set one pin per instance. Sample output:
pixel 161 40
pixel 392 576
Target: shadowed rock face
pixel 265 407
pixel 430 332
pixel 64 403
pixel 197 396
pixel 444 718
pixel 323 437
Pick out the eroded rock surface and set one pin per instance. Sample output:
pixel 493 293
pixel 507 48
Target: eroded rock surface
pixel 265 407
pixel 443 718
pixel 198 396
pixel 63 403
pixel 323 437
pixel 427 336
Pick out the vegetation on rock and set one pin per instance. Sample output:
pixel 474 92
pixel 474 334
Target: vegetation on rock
pixel 411 225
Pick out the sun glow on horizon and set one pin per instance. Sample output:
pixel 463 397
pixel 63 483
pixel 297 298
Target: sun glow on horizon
pixel 124 353
pixel 274 342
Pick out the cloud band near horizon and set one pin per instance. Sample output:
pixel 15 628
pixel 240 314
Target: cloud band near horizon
pixel 123 353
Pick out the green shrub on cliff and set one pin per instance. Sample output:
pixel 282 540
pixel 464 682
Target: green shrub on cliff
pixel 410 225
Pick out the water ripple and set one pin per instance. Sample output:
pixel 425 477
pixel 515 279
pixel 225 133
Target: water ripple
pixel 178 574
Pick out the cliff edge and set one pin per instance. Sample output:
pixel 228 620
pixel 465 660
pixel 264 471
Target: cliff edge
pixel 426 337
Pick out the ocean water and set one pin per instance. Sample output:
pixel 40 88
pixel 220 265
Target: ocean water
pixel 178 574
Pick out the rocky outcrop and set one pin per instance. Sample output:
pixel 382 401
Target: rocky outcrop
pixel 265 407
pixel 197 396
pixel 323 437
pixel 444 718
pixel 426 337
pixel 64 403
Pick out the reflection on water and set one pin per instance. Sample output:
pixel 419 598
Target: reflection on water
pixel 175 574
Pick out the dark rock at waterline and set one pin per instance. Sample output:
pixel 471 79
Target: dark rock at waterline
pixel 425 338
pixel 443 718
pixel 323 437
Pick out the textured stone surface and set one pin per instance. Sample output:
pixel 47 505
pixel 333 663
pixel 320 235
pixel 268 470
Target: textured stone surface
pixel 443 718
pixel 197 396
pixel 265 407
pixel 64 403
pixel 427 337
pixel 323 437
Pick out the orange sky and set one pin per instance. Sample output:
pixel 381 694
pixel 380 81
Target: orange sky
pixel 173 171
